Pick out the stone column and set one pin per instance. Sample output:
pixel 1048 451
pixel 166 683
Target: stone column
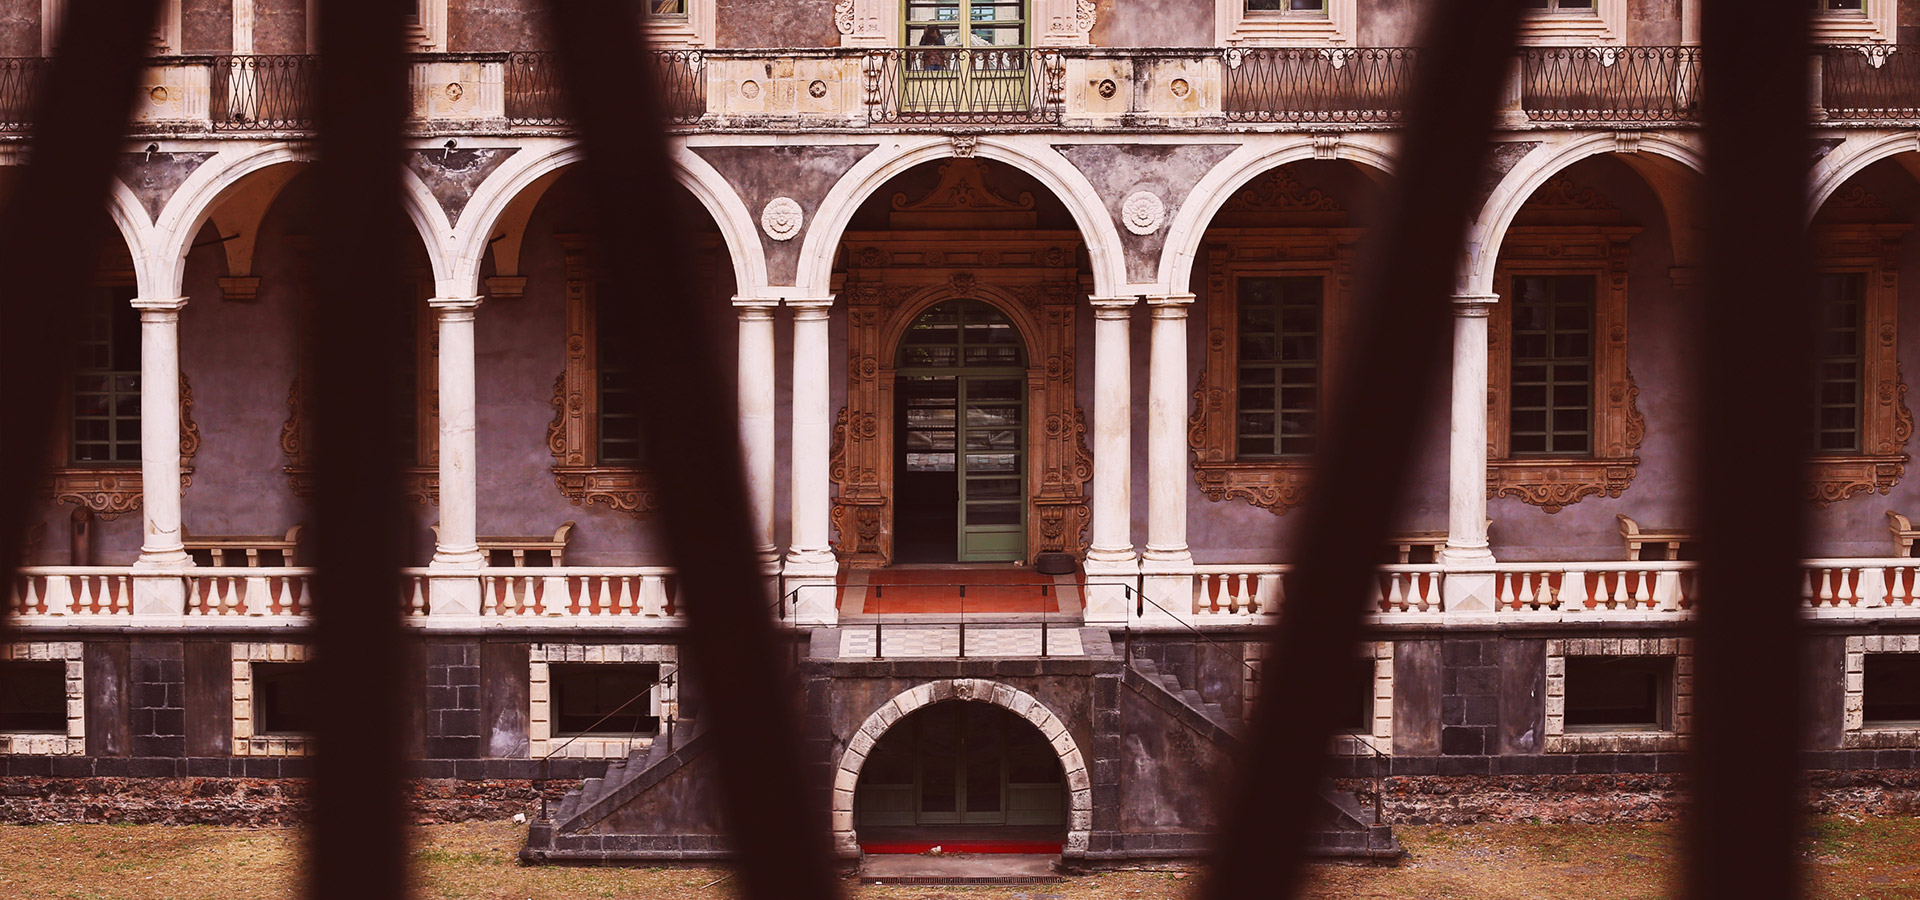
pixel 810 559
pixel 1167 563
pixel 457 546
pixel 160 543
pixel 1468 591
pixel 756 416
pixel 1110 558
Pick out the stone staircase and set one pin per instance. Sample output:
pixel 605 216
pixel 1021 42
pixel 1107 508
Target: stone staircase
pixel 1345 829
pixel 567 833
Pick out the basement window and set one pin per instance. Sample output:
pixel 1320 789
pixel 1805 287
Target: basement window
pixel 605 698
pixel 282 699
pixel 33 697
pixel 1619 693
pixel 1890 692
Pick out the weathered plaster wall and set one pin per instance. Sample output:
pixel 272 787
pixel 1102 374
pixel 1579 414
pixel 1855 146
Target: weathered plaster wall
pixel 774 23
pixel 1388 23
pixel 1909 29
pixel 206 26
pixel 802 173
pixel 1167 171
pixel 475 26
pixel 20 27
pixel 1653 23
pixel 1154 23
pixel 280 26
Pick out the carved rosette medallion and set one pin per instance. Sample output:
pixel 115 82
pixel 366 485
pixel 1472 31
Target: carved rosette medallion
pixel 782 218
pixel 1142 212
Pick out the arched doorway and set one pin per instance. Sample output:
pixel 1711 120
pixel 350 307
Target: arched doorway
pixel 959 420
pixel 959 770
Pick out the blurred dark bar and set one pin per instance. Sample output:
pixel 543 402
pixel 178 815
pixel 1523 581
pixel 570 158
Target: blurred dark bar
pixel 356 334
pixel 778 826
pixel 1360 476
pixel 1755 389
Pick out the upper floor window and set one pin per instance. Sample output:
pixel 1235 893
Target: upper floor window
pixel 1288 7
pixel 617 388
pixel 1840 6
pixel 1277 391
pixel 666 8
pixel 966 23
pixel 106 380
pixel 1854 21
pixel 1838 395
pixel 1561 5
pixel 1289 23
pixel 1551 368
pixel 1576 23
pixel 1861 421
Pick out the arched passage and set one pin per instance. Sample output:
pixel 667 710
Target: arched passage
pixel 868 744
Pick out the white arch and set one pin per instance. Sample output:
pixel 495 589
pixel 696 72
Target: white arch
pixel 1853 156
pixel 130 221
pixel 181 219
pixel 1032 156
pixel 1548 160
pixel 846 778
pixel 1253 159
pixel 468 244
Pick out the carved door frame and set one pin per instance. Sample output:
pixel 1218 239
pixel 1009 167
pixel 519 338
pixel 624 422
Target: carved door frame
pixel 1058 461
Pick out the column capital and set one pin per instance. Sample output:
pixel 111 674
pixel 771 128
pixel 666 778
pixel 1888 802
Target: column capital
pixel 1474 306
pixel 159 309
pixel 809 308
pixel 1113 307
pixel 450 305
pixel 1171 301
pixel 755 307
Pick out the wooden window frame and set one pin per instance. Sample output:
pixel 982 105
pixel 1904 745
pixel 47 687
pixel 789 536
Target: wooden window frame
pixel 1275 484
pixel 1235 25
pixel 573 435
pixel 1872 250
pixel 1605 23
pixel 110 491
pixel 1554 483
pixel 421 479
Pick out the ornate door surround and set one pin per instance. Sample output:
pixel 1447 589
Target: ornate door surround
pixel 1036 284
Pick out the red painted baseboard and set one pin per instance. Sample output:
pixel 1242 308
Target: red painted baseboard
pixel 963 846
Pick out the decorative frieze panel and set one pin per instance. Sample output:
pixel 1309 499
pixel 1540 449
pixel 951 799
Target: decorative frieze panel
pixel 1555 482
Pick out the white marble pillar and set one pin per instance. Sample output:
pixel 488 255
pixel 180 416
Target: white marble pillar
pixel 1110 557
pixel 756 416
pixel 810 564
pixel 1467 591
pixel 457 546
pixel 160 544
pixel 1167 563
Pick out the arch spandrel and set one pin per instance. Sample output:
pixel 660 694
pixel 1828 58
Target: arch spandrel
pixel 1073 763
pixel 1853 155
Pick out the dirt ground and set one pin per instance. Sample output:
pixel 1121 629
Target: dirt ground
pixel 1847 857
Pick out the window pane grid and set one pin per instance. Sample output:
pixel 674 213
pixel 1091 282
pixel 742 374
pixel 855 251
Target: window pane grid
pixel 1278 382
pixel 1837 407
pixel 1551 378
pixel 619 395
pixel 106 380
pixel 989 23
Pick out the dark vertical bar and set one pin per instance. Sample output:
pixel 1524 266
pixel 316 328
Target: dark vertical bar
pixel 1755 371
pixel 1382 394
pixel 50 239
pixel 778 827
pixel 357 332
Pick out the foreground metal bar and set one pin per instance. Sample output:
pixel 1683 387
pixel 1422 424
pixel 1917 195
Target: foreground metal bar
pixel 51 235
pixel 778 826
pixel 1360 475
pixel 356 333
pixel 1755 411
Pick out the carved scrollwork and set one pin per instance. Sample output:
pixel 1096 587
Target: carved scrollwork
pixel 1869 250
pixel 1555 484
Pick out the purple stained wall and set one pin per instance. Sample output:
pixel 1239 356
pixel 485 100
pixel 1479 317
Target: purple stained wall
pixel 280 26
pixel 20 27
pixel 475 26
pixel 1153 23
pixel 774 23
pixel 206 26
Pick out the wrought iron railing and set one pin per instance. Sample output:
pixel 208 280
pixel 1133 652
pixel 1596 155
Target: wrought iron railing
pixel 264 93
pixel 20 79
pixel 533 90
pixel 1870 81
pixel 1610 84
pixel 1315 84
pixel 960 85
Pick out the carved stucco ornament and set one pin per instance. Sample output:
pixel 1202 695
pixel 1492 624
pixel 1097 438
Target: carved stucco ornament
pixel 113 492
pixel 1142 212
pixel 782 218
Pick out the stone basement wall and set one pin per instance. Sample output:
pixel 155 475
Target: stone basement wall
pixel 1597 799
pixel 248 801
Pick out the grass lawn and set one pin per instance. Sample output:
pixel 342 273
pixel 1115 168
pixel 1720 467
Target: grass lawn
pixel 1848 858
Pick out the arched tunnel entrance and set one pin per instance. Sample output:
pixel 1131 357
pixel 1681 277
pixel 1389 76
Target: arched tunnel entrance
pixel 964 775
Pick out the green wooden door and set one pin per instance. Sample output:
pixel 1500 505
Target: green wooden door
pixel 993 496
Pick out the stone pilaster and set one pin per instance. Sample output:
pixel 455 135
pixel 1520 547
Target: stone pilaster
pixel 160 544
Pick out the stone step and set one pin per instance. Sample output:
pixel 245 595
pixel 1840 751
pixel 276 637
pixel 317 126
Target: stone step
pixel 960 868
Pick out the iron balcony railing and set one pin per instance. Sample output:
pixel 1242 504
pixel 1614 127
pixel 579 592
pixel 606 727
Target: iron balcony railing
pixel 1870 81
pixel 1307 84
pixel 955 85
pixel 264 93
pixel 20 80
pixel 534 94
pixel 1610 84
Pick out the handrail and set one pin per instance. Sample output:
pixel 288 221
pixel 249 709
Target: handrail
pixel 546 761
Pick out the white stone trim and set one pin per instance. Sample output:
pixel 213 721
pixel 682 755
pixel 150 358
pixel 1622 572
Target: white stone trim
pixel 1878 23
pixel 1378 738
pixel 1235 26
pixel 1557 738
pixel 1856 735
pixel 540 737
pixel 847 776
pixel 1606 24
pixel 246 742
pixel 688 32
pixel 74 741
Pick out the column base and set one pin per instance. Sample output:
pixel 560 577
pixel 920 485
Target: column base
pixel 163 560
pixel 1465 557
pixel 1112 576
pixel 1469 593
pixel 160 595
pixel 810 563
pixel 1166 580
